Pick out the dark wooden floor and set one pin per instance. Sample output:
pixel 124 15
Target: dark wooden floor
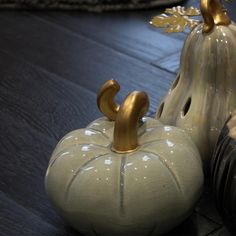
pixel 51 66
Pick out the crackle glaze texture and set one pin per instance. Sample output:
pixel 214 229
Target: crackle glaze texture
pixel 223 177
pixel 145 192
pixel 204 93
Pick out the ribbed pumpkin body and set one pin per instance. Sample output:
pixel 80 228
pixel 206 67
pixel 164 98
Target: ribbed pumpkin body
pixel 145 192
pixel 204 93
pixel 223 177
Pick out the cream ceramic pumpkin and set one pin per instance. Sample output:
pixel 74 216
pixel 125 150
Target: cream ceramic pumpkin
pixel 204 93
pixel 129 177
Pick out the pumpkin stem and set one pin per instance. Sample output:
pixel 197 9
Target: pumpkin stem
pixel 105 99
pixel 213 14
pixel 127 121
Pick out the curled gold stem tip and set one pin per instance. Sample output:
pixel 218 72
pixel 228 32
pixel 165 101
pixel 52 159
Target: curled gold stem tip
pixel 213 14
pixel 105 99
pixel 126 125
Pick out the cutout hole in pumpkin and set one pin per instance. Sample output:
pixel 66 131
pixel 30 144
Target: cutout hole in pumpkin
pixel 160 110
pixel 187 106
pixel 175 83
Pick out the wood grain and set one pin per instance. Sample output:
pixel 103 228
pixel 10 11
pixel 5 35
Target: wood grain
pixel 137 39
pixel 17 220
pixel 81 60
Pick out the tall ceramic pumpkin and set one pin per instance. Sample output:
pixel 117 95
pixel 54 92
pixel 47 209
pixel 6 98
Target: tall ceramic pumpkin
pixel 204 92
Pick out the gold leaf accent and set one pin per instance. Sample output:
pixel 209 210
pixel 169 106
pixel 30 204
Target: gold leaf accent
pixel 176 19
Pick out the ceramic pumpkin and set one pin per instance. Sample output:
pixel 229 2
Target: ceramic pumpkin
pixel 131 176
pixel 223 173
pixel 204 92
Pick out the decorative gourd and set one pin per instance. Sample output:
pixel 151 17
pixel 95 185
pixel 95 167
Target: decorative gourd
pixel 133 176
pixel 204 92
pixel 223 174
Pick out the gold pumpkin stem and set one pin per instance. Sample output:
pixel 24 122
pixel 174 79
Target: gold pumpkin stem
pixel 105 99
pixel 126 125
pixel 213 14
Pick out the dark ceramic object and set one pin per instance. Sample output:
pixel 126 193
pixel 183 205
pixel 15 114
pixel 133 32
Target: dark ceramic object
pixel 223 176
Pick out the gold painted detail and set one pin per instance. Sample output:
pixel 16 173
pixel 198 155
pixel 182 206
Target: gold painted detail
pixel 106 97
pixel 213 14
pixel 176 19
pixel 134 107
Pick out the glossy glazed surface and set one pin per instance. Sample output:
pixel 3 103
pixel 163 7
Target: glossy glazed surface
pixel 145 192
pixel 223 177
pixel 204 93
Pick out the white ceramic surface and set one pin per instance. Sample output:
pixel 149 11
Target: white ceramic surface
pixel 204 93
pixel 146 192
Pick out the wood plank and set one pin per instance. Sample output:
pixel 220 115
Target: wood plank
pixel 24 160
pixel 170 63
pixel 78 59
pixel 36 110
pixel 16 220
pixel 129 33
pixel 137 38
pixel 50 104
